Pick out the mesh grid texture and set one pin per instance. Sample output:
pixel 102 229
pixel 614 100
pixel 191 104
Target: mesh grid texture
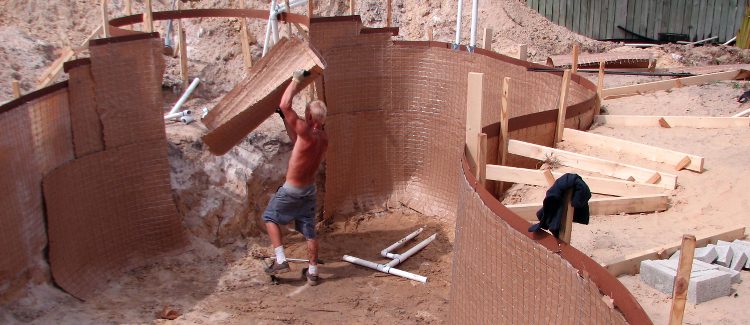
pixel 87 128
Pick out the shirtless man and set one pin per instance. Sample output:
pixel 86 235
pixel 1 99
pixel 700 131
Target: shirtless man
pixel 295 200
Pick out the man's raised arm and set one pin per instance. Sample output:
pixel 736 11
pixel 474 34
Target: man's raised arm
pixel 291 120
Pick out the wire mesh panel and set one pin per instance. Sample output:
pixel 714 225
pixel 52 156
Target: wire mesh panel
pixel 87 127
pixel 36 139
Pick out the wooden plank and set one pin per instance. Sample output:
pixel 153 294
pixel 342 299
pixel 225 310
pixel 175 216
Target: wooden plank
pixel 695 12
pixel 246 39
pixel 563 105
pixel 597 185
pixel 717 17
pixel 577 16
pixel 658 18
pixel 630 22
pixel 666 15
pixel 607 206
pixel 602 166
pixel 738 20
pixel 668 157
pixel 389 8
pixel 669 84
pixel 631 263
pixel 16 89
pixel 487 39
pixel 709 18
pixel 585 14
pixel 596 14
pixel 686 17
pixel 310 8
pixel 550 178
pixel 650 19
pixel 642 13
pixel 663 123
pixel 429 33
pixel 574 62
pixel 289 11
pixel 105 19
pixel 481 174
pixel 555 11
pixel 700 122
pixel 570 14
pixel 726 31
pixel 599 88
pixel 621 18
pixel 611 18
pixel 566 224
pixel 183 52
pixel 473 117
pixel 523 52
pixel 503 143
pixel 700 26
pixel 128 12
pixel 548 9
pixel 679 15
pixel 684 270
pixel 563 8
pixel 148 18
pixel 351 8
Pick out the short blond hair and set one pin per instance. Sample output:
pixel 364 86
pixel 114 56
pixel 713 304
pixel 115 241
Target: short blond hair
pixel 318 110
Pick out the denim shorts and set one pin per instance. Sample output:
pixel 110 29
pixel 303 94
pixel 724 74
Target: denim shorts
pixel 285 208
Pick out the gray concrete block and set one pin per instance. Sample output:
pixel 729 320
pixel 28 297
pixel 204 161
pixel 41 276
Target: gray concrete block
pixel 738 261
pixel 703 254
pixel 739 248
pixel 707 281
pixel 725 254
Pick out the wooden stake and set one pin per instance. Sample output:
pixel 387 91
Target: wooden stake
pixel 550 178
pixel 429 33
pixel 664 123
pixel 16 89
pixel 148 18
pixel 245 37
pixel 351 8
pixel 288 25
pixel 564 90
pixel 488 39
pixel 502 143
pixel 183 52
pixel 388 13
pixel 105 20
pixel 523 52
pixel 301 31
pixel 566 225
pixel 683 280
pixel 574 67
pixel 482 158
pixel 176 52
pixel 655 178
pixel 599 87
pixel 128 12
pixel 683 163
pixel 310 8
pixel 473 117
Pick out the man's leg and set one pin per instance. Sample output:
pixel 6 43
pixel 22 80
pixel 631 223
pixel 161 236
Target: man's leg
pixel 280 266
pixel 312 251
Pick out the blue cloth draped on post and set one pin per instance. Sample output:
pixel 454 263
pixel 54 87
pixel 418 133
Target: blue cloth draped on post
pixel 550 215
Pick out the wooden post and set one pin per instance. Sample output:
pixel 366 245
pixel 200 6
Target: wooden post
pixel 523 52
pixel 388 14
pixel 566 225
pixel 16 89
pixel 683 280
pixel 488 39
pixel 288 24
pixel 105 20
pixel 549 177
pixel 148 19
pixel 183 52
pixel 473 117
pixel 310 8
pixel 429 33
pixel 351 7
pixel 564 90
pixel 245 37
pixel 599 87
pixel 128 11
pixel 482 158
pixel 502 148
pixel 574 67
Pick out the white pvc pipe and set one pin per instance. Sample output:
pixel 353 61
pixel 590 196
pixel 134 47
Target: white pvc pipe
pixel 185 95
pixel 385 268
pixel 402 257
pixel 275 29
pixel 731 40
pixel 740 114
pixel 458 21
pixel 386 252
pixel 178 114
pixel 187 119
pixel 474 18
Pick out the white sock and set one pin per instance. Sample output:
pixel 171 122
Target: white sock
pixel 313 269
pixel 280 257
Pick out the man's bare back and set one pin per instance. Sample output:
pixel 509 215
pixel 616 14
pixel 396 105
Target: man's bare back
pixel 307 155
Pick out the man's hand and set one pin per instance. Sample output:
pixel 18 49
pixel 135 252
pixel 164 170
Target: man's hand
pixel 278 110
pixel 298 75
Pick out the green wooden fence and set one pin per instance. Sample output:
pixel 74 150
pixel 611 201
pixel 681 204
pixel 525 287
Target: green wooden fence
pixel 598 19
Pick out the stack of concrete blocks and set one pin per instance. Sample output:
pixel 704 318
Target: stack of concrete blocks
pixel 707 281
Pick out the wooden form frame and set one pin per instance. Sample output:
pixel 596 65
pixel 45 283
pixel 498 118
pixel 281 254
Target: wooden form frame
pixel 596 184
pixel 608 206
pixel 674 158
pixel 563 105
pixel 473 118
pixel 631 263
pixel 669 84
pixel 606 167
pixel 700 122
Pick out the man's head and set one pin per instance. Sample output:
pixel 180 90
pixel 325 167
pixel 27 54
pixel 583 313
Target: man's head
pixel 315 112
